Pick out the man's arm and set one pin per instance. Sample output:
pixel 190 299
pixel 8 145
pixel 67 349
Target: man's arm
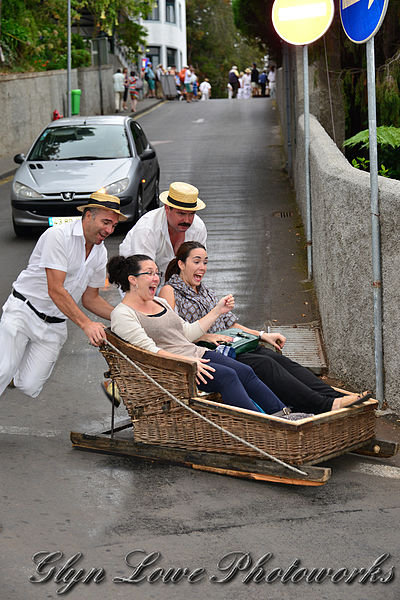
pixel 67 305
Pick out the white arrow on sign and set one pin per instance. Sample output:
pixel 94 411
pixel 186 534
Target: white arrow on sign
pixel 347 3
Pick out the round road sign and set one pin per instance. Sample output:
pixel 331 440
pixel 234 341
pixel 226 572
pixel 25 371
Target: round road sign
pixel 301 22
pixel 361 19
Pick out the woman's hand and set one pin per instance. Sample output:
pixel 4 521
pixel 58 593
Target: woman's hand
pixel 226 304
pixel 203 370
pixel 277 340
pixel 216 338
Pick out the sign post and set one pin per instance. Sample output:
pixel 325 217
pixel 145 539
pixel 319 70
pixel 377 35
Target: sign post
pixel 361 19
pixel 301 22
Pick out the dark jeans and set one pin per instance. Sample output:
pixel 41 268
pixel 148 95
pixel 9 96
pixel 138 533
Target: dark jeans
pixel 238 384
pixel 295 385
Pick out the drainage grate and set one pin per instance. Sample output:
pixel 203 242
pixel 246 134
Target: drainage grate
pixel 283 214
pixel 303 345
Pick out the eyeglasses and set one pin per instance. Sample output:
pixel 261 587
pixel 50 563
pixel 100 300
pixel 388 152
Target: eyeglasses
pixel 151 274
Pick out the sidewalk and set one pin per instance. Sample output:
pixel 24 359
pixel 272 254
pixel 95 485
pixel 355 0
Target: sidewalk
pixel 8 166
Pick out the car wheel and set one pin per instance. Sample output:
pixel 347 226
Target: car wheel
pixel 155 202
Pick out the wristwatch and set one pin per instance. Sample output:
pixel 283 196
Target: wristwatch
pixel 261 334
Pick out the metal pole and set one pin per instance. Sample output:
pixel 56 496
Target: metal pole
pixel 376 235
pixel 99 72
pixel 307 161
pixel 288 106
pixel 69 61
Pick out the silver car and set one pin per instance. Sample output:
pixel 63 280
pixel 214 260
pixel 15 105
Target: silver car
pixel 72 158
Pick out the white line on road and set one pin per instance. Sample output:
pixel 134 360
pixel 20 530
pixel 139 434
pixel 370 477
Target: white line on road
pixel 15 430
pixel 377 470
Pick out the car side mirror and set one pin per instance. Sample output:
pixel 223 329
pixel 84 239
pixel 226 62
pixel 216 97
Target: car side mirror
pixel 148 154
pixel 19 159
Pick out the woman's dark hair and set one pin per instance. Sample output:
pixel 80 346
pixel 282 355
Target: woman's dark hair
pixel 182 254
pixel 119 268
pixel 133 74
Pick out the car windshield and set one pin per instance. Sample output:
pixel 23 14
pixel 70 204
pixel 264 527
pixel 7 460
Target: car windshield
pixel 79 142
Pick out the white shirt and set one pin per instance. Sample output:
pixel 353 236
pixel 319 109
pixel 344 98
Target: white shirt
pixel 205 87
pixel 150 236
pixel 188 76
pixel 119 79
pixel 62 247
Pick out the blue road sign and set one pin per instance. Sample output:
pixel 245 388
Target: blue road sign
pixel 361 19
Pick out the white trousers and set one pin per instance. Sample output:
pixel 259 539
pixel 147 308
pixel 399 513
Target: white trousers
pixel 29 348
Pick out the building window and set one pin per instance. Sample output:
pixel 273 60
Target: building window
pixel 180 15
pixel 170 16
pixel 171 57
pixel 155 13
pixel 153 54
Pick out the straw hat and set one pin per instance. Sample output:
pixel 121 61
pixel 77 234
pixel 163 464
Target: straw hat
pixel 105 201
pixel 247 70
pixel 182 195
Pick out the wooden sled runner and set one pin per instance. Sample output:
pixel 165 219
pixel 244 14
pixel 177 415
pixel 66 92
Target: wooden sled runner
pixel 171 422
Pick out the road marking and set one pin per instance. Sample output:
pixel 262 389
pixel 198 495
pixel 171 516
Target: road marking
pixel 377 470
pixel 157 142
pixel 149 110
pixel 15 430
pixel 198 121
pixel 6 180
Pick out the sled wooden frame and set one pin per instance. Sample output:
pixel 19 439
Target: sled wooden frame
pixel 163 430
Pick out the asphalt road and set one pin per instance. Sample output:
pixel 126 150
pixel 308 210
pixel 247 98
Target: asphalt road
pixel 56 499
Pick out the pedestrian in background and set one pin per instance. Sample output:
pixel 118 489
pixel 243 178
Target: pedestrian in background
pixel 272 81
pixel 246 84
pixel 188 85
pixel 133 93
pixel 159 73
pixel 126 89
pixel 151 80
pixel 119 80
pixel 233 79
pixel 194 82
pixel 263 82
pixel 254 81
pixel 240 89
pixel 205 89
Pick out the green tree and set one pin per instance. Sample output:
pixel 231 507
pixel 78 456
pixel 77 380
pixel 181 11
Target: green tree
pixel 214 44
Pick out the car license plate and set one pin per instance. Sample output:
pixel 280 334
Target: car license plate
pixel 61 220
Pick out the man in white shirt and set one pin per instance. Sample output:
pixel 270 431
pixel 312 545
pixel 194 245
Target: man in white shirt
pixel 188 84
pixel 205 89
pixel 119 88
pixel 160 232
pixel 67 264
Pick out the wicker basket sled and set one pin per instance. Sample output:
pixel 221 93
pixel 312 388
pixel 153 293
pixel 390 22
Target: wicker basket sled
pixel 164 429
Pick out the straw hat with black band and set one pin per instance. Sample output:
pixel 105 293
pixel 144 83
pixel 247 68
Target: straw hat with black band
pixel 182 196
pixel 105 201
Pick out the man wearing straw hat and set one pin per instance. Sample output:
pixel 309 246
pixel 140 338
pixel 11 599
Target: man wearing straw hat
pixel 68 264
pixel 160 232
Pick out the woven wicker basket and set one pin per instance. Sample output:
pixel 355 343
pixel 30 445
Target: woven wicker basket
pixel 157 419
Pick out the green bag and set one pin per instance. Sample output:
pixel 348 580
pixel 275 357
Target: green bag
pixel 242 341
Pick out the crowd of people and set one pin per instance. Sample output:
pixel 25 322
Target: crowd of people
pixel 131 86
pixel 251 82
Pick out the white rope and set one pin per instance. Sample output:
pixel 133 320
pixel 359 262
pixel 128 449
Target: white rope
pixel 232 435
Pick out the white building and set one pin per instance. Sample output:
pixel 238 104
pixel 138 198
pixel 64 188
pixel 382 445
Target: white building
pixel 166 40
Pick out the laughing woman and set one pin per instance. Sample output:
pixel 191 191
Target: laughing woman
pixel 296 386
pixel 149 323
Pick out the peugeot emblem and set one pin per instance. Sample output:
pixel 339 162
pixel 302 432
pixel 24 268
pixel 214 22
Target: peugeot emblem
pixel 68 195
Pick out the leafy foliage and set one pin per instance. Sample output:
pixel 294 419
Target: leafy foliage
pixel 388 139
pixel 34 32
pixel 214 44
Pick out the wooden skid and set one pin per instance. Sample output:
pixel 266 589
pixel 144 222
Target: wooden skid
pixel 378 448
pixel 223 464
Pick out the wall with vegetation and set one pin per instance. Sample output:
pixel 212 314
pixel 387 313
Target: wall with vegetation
pixel 29 99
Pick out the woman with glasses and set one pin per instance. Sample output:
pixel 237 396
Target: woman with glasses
pixel 148 322
pixel 295 385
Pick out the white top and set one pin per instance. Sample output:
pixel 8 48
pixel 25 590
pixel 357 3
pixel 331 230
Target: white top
pixel 205 87
pixel 62 247
pixel 188 76
pixel 150 236
pixel 119 79
pixel 272 76
pixel 126 324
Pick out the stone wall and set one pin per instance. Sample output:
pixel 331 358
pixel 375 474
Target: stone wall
pixel 29 99
pixel 342 261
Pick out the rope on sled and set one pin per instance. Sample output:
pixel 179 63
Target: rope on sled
pixel 189 408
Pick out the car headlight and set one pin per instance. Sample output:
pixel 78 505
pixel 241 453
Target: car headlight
pixel 115 188
pixel 24 192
